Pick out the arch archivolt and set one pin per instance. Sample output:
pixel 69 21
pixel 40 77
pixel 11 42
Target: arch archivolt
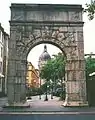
pixel 27 38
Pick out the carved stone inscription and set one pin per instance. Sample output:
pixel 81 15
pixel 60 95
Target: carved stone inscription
pixel 47 16
pixel 17 15
pixel 75 16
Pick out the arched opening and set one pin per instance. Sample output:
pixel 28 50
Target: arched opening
pixel 43 89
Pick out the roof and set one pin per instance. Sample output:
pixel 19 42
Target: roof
pixel 45 55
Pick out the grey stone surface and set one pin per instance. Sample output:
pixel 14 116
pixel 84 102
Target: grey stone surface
pixel 30 25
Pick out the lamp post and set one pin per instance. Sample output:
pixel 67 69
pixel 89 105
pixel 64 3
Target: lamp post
pixel 63 88
pixel 40 81
pixel 51 89
pixel 46 97
pixel 40 90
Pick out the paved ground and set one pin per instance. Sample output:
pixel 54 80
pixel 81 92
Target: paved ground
pixel 46 110
pixel 52 105
pixel 41 105
pixel 38 105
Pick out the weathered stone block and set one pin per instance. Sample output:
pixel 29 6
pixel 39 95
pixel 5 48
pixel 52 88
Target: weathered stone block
pixel 75 16
pixel 12 45
pixel 17 15
pixel 80 35
pixel 11 79
pixel 46 16
pixel 73 97
pixel 10 92
pixel 77 87
pixel 13 34
pixel 80 54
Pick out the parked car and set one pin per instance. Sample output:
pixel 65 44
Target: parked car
pixel 58 92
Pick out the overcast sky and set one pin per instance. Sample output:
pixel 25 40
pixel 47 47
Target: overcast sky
pixel 89 26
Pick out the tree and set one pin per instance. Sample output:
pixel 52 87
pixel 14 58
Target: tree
pixel 43 88
pixel 61 71
pixel 46 74
pixel 90 66
pixel 54 70
pixel 90 9
pixel 90 80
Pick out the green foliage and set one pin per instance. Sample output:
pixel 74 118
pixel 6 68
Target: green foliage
pixel 90 10
pixel 43 87
pixel 46 71
pixel 90 80
pixel 90 66
pixel 33 91
pixel 54 69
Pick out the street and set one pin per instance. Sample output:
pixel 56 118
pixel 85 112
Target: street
pixel 39 105
pixel 45 110
pixel 46 117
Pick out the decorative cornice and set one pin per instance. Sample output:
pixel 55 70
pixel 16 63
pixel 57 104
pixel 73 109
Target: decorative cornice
pixel 52 23
pixel 47 7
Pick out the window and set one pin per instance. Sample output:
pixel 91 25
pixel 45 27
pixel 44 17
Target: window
pixel 1 35
pixel 2 39
pixel 1 52
pixel 0 67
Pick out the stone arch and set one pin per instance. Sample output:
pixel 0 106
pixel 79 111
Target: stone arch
pixel 27 49
pixel 66 33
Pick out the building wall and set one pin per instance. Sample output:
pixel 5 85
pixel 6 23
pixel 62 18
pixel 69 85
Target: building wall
pixel 5 61
pixel 4 37
pixel 32 76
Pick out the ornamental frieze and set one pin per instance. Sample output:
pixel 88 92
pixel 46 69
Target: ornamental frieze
pixel 17 15
pixel 74 16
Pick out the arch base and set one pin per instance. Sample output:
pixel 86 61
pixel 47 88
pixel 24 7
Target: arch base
pixel 17 105
pixel 75 104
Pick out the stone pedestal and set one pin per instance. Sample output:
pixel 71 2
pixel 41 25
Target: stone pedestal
pixel 75 94
pixel 17 105
pixel 75 104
